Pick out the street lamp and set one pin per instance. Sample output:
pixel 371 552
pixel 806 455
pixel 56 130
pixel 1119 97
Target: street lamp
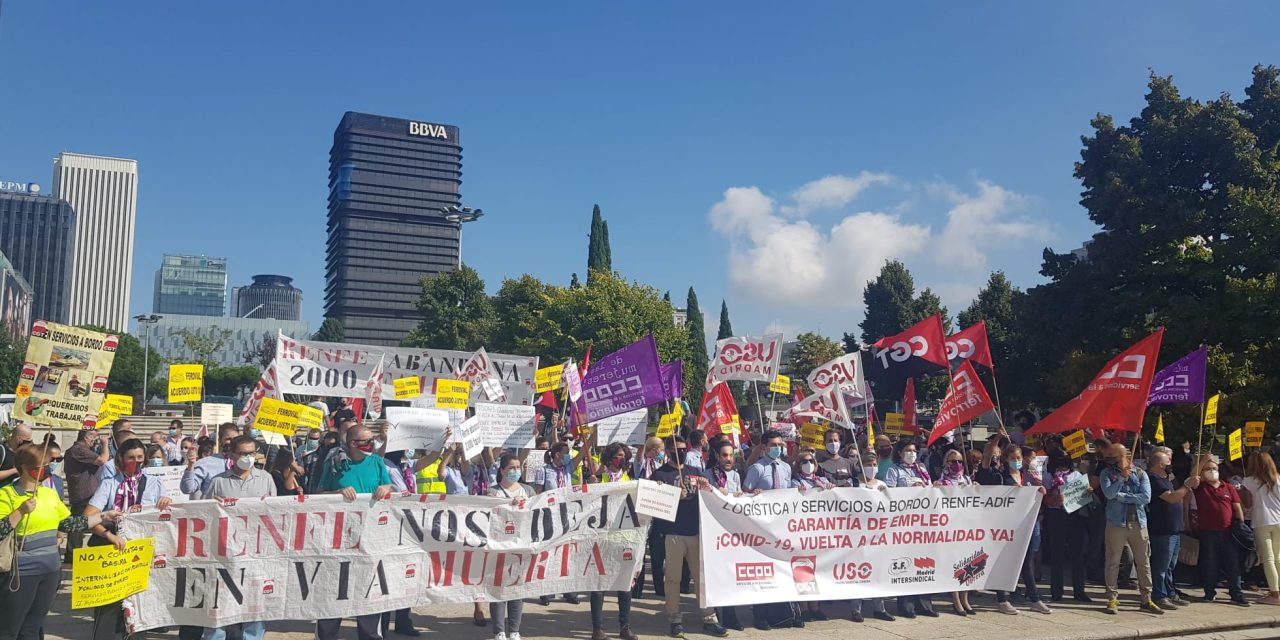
pixel 460 215
pixel 146 320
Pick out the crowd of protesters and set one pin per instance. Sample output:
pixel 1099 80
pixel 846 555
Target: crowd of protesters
pixel 1151 516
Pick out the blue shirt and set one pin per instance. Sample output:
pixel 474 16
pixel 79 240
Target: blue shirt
pixel 901 475
pixel 196 481
pixel 761 474
pixel 105 497
pixel 1126 496
pixel 364 476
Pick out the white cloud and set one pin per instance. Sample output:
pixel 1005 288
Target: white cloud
pixel 778 258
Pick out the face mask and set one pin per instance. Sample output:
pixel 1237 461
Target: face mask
pixel 833 448
pixel 775 452
pixel 1211 476
pixel 868 472
pixel 616 463
pixel 366 447
pixel 130 467
pixel 173 432
pixel 245 463
pixel 513 475
pixel 155 462
pixel 254 433
pixel 909 457
pixel 566 459
pixel 315 439
pixel 806 467
pixel 1016 465
pixel 409 454
pixel 661 458
pixel 53 468
pixel 955 467
pixel 36 474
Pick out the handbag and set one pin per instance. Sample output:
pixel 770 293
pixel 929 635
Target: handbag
pixel 8 551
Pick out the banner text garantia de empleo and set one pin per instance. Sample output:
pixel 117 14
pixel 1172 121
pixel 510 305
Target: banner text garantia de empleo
pixel 313 557
pixel 838 544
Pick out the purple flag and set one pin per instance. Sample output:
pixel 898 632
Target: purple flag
pixel 625 380
pixel 1181 382
pixel 673 380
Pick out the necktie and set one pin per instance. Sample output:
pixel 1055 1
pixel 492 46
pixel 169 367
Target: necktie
pixel 776 480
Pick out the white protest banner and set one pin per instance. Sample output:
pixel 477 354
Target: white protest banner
pixel 213 414
pixel 533 464
pixel 746 358
pixel 413 428
pixel 657 500
pixel 288 558
pixel 845 371
pixel 627 428
pixel 573 381
pixel 517 374
pixel 506 426
pixel 846 543
pixel 169 477
pixel 333 369
pixel 471 435
pixel 1075 493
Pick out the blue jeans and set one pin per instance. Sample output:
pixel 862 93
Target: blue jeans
pixel 249 631
pixel 1164 559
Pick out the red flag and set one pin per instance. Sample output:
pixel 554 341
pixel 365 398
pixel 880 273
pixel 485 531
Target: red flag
pixel 586 360
pixel 909 406
pixel 548 399
pixel 966 399
pixel 718 409
pixel 1117 396
pixel 918 351
pixel 970 344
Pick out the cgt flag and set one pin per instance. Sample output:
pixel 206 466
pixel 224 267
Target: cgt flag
pixel 1117 396
pixel 966 399
pixel 918 351
pixel 718 412
pixel 970 344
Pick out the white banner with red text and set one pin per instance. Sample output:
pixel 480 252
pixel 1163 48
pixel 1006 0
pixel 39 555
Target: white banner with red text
pixel 314 557
pixel 837 544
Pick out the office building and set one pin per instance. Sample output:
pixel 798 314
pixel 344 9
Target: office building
pixel 238 336
pixel 38 235
pixel 392 183
pixel 191 285
pixel 15 302
pixel 104 194
pixel 270 296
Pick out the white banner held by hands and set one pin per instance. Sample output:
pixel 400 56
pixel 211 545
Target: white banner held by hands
pixel 414 428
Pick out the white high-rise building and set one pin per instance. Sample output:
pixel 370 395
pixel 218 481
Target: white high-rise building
pixel 104 194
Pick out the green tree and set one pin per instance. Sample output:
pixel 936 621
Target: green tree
pixel 926 304
pixel 230 381
pixel 726 327
pixel 599 256
pixel 12 355
pixel 331 330
pixel 890 304
pixel 1185 196
pixel 456 313
pixel 811 351
pixel 202 347
pixel 522 324
pixel 610 314
pixel 126 368
pixel 262 353
pixel 695 368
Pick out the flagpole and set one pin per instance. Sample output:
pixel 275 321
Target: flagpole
pixel 995 386
pixel 755 388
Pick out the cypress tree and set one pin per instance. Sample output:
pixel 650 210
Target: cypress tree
pixel 726 328
pixel 695 370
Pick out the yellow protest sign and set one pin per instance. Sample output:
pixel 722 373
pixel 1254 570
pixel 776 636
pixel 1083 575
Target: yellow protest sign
pixel 549 378
pixel 113 407
pixel 1160 429
pixel 1211 409
pixel 1253 432
pixel 186 382
pixel 452 394
pixel 781 385
pixel 667 423
pixel 309 418
pixel 895 424
pixel 1075 444
pixel 63 380
pixel 284 418
pixel 732 426
pixel 103 575
pixel 812 435
pixel 1235 444
pixel 407 388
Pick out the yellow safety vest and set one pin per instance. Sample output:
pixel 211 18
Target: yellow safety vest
pixel 429 480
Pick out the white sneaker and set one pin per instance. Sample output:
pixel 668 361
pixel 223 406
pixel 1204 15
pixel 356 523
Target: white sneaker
pixel 1006 608
pixel 514 636
pixel 1040 607
pixel 503 636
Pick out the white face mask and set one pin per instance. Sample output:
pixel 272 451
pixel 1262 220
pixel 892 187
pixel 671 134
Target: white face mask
pixel 868 472
pixel 909 457
pixel 806 467
pixel 833 447
pixel 245 463
pixel 1211 475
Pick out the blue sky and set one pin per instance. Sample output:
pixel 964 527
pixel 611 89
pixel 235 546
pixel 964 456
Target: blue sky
pixel 945 132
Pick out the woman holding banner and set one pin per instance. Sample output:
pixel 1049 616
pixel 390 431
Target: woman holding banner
pixel 1008 470
pixel 129 490
pixel 952 474
pixel 506 615
pixel 558 474
pixel 35 515
pixel 616 461
pixel 908 472
pixel 869 469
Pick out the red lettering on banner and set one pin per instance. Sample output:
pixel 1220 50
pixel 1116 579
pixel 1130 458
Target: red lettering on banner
pixel 188 528
pixel 226 536
pixel 538 565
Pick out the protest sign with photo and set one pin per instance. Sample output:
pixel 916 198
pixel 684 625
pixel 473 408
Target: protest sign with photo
pixel 516 374
pixel 847 543
pixel 293 559
pixel 333 369
pixel 506 426
pixel 64 377
pixel 415 428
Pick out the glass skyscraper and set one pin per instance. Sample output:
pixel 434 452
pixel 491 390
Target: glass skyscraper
pixel 191 285
pixel 391 182
pixel 38 234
